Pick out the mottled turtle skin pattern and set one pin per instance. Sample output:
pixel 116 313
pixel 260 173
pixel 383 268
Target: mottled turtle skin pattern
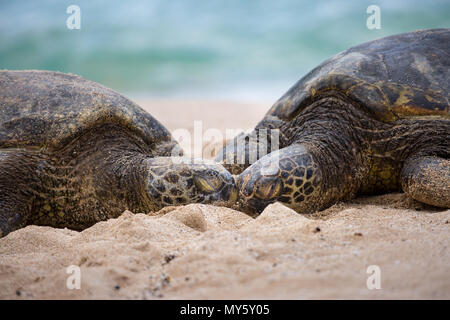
pixel 73 152
pixel 372 119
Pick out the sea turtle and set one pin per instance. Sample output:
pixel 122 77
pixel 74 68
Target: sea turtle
pixel 73 152
pixel 372 119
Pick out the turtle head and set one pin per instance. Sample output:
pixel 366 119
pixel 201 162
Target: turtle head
pixel 177 181
pixel 289 175
pixel 259 187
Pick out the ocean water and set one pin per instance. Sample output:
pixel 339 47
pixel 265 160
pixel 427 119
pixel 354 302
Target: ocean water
pixel 227 49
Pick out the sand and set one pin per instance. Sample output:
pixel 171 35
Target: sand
pixel 209 252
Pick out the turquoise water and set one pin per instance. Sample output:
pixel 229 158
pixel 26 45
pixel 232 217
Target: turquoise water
pixel 247 49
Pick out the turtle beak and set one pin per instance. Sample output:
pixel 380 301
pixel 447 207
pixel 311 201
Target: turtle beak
pixel 217 184
pixel 257 191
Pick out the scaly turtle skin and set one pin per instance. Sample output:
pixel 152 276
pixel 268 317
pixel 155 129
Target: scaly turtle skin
pixel 73 152
pixel 372 119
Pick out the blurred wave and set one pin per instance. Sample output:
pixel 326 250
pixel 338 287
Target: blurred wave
pixel 229 49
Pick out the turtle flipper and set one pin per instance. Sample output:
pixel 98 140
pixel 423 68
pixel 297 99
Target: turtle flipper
pixel 427 179
pixel 10 218
pixel 16 177
pixel 289 175
pixel 246 148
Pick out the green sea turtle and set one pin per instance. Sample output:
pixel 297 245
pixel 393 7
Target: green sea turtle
pixel 372 119
pixel 73 152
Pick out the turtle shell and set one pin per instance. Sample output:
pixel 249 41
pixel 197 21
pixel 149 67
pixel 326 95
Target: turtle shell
pixel 48 109
pixel 400 76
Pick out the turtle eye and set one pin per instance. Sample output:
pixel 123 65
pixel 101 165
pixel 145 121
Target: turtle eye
pixel 268 187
